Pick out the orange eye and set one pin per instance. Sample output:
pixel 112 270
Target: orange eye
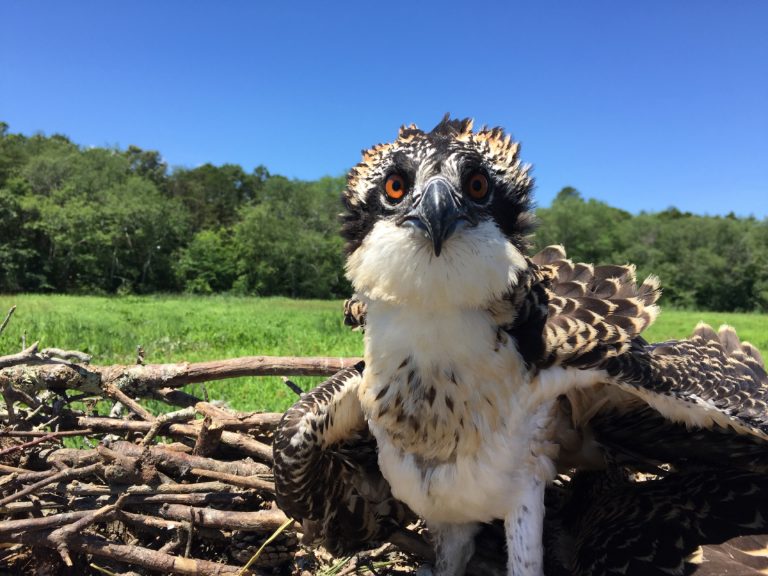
pixel 395 186
pixel 477 186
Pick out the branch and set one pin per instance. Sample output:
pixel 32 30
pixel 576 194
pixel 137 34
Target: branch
pixel 175 462
pixel 7 318
pixel 64 475
pixel 66 354
pixel 259 521
pixel 25 445
pixel 241 442
pixel 136 555
pixel 66 533
pixel 28 355
pixel 234 479
pixel 138 380
pixel 10 528
pixel 115 393
pixel 36 433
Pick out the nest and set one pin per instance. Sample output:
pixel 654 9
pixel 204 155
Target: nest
pixel 187 492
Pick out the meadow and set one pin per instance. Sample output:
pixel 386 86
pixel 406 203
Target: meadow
pixel 197 328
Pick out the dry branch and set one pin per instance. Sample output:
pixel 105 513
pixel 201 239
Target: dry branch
pixel 7 318
pixel 139 379
pixel 21 447
pixel 63 476
pixel 235 440
pixel 260 521
pixel 28 355
pixel 136 555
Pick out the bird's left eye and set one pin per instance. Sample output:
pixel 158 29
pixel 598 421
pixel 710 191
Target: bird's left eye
pixel 476 186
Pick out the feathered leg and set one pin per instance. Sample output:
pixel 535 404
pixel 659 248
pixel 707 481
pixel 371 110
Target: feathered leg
pixel 454 546
pixel 524 528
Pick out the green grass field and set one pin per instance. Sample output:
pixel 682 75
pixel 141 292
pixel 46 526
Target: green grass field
pixel 178 328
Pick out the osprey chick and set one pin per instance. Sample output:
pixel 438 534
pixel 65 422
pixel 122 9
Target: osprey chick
pixel 469 344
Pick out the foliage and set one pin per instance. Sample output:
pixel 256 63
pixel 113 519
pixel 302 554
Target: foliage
pixel 106 220
pixel 704 262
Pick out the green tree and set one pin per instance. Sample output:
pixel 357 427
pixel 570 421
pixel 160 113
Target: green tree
pixel 208 263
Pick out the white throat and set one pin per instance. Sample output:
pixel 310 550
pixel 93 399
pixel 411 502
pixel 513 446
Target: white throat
pixel 396 264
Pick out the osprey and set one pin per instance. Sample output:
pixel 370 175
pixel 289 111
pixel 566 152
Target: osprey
pixel 484 368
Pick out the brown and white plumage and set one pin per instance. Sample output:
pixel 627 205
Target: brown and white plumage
pixel 681 524
pixel 325 462
pixel 483 368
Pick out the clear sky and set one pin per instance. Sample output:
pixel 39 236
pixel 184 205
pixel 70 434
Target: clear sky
pixel 643 104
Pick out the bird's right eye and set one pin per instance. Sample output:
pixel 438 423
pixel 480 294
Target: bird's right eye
pixel 395 187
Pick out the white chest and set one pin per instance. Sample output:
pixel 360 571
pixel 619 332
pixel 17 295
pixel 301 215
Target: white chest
pixel 448 399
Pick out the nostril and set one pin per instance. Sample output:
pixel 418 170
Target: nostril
pixel 413 222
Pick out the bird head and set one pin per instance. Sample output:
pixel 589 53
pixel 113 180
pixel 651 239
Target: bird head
pixel 438 218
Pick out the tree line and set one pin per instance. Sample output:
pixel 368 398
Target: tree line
pixel 115 221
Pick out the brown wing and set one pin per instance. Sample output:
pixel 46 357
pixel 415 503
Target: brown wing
pixel 575 314
pixel 636 435
pixel 708 380
pixel 683 524
pixel 590 318
pixel 326 469
pixel 593 312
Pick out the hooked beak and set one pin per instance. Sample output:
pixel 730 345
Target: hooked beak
pixel 437 211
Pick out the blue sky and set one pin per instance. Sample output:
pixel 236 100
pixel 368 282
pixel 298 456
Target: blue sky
pixel 642 104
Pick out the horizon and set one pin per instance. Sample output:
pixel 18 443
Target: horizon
pixel 643 107
pixel 536 204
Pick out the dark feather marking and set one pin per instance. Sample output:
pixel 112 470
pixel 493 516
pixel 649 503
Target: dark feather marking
pixel 382 392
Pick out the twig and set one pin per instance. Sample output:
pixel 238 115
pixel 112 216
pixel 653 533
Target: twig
pixel 57 375
pixel 25 445
pixel 114 392
pixel 156 525
pixel 4 468
pixel 175 397
pixel 176 462
pixel 190 531
pixel 239 421
pixel 26 507
pixel 167 418
pixel 8 528
pixel 66 475
pixel 235 440
pixel 259 521
pixel 245 482
pixel 82 489
pixel 209 438
pixel 64 534
pixel 66 354
pixel 135 555
pixel 35 433
pixel 24 356
pixel 7 318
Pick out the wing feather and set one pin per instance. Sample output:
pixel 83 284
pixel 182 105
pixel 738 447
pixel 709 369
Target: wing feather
pixel 656 527
pixel 706 380
pixel 326 468
pixel 592 312
pixel 593 320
